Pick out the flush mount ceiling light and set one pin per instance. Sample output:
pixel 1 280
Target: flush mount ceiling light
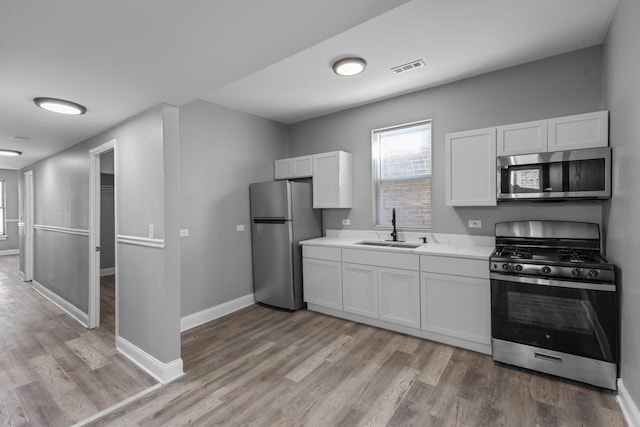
pixel 60 106
pixel 11 153
pixel 349 66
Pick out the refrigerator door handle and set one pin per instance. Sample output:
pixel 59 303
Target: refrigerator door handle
pixel 269 220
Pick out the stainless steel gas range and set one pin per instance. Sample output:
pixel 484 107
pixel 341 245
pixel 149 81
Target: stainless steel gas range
pixel 554 303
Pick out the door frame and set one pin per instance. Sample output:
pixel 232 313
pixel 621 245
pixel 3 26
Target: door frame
pixel 29 204
pixel 94 232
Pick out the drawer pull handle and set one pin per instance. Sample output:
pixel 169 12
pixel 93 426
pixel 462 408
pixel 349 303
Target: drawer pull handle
pixel 547 357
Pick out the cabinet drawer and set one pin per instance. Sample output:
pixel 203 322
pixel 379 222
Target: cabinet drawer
pixel 456 266
pixel 381 259
pixel 321 252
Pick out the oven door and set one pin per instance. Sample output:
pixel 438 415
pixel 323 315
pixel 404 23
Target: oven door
pixel 569 317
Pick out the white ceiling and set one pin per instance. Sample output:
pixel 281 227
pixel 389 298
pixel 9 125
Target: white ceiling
pixel 272 58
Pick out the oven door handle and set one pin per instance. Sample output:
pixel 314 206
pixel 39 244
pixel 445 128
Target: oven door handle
pixel 552 282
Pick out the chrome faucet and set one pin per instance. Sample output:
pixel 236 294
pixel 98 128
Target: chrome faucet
pixel 394 233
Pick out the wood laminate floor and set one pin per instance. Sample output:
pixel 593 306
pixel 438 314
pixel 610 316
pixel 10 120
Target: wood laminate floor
pixel 53 371
pixel 264 367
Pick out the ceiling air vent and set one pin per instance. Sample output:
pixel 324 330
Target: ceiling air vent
pixel 413 65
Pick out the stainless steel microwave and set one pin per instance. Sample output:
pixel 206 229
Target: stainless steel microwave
pixel 559 175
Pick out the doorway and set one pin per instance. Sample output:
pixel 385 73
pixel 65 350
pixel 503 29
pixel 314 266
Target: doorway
pixel 102 231
pixel 28 225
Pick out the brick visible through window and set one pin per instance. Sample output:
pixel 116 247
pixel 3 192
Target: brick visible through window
pixel 402 174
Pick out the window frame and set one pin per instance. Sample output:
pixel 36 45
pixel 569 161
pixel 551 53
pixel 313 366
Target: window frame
pixel 374 207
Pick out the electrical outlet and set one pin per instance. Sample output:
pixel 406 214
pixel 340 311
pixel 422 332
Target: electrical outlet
pixel 475 223
pixel 240 227
pixel 151 231
pixel 184 232
pixel 346 221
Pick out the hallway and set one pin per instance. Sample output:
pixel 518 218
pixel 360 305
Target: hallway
pixel 53 371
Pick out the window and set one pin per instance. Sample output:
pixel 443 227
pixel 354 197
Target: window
pixel 402 174
pixel 3 229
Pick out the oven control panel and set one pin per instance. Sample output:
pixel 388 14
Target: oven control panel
pixel 552 271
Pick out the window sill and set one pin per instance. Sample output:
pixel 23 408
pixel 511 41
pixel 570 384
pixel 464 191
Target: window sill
pixel 4 237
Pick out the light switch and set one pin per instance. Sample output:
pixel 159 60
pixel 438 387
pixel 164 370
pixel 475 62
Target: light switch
pixel 475 223
pixel 240 227
pixel 184 232
pixel 346 221
pixel 151 231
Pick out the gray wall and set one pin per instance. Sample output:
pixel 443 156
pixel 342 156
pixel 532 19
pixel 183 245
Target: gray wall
pixel 11 209
pixel 147 161
pixel 222 151
pixel 622 98
pixel 562 85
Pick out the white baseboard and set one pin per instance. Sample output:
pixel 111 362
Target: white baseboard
pixel 211 313
pixel 628 406
pixel 10 252
pixel 65 305
pixel 107 271
pixel 163 372
pixel 21 276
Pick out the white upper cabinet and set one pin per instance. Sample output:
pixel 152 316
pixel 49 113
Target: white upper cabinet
pixel 294 167
pixel 522 138
pixel 470 164
pixel 332 176
pixel 590 130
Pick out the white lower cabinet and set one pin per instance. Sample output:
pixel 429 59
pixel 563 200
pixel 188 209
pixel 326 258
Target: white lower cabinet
pixel 445 299
pixel 399 293
pixel 457 306
pixel 322 284
pixel 360 289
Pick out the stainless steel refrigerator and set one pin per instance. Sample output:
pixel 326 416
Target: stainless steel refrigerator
pixel 281 216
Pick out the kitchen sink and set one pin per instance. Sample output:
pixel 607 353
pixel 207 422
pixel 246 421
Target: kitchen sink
pixel 400 245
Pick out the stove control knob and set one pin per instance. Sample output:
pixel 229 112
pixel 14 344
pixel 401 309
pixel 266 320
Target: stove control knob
pixel 575 272
pixel 518 268
pixel 592 274
pixel 546 269
pixel 505 266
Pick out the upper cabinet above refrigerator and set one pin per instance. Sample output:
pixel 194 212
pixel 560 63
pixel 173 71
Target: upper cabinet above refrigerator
pixel 331 174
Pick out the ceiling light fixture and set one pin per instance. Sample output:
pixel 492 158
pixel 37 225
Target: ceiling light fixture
pixel 10 152
pixel 60 106
pixel 349 66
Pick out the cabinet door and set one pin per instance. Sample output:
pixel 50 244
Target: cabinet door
pixel 332 180
pixel 283 169
pixel 399 295
pixel 302 166
pixel 360 289
pixel 456 306
pixel 522 138
pixel 293 167
pixel 588 130
pixel 322 283
pixel 470 168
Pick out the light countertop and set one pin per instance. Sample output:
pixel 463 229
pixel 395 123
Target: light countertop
pixel 448 245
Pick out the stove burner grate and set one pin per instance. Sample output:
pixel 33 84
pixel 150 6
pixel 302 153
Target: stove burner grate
pixel 577 256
